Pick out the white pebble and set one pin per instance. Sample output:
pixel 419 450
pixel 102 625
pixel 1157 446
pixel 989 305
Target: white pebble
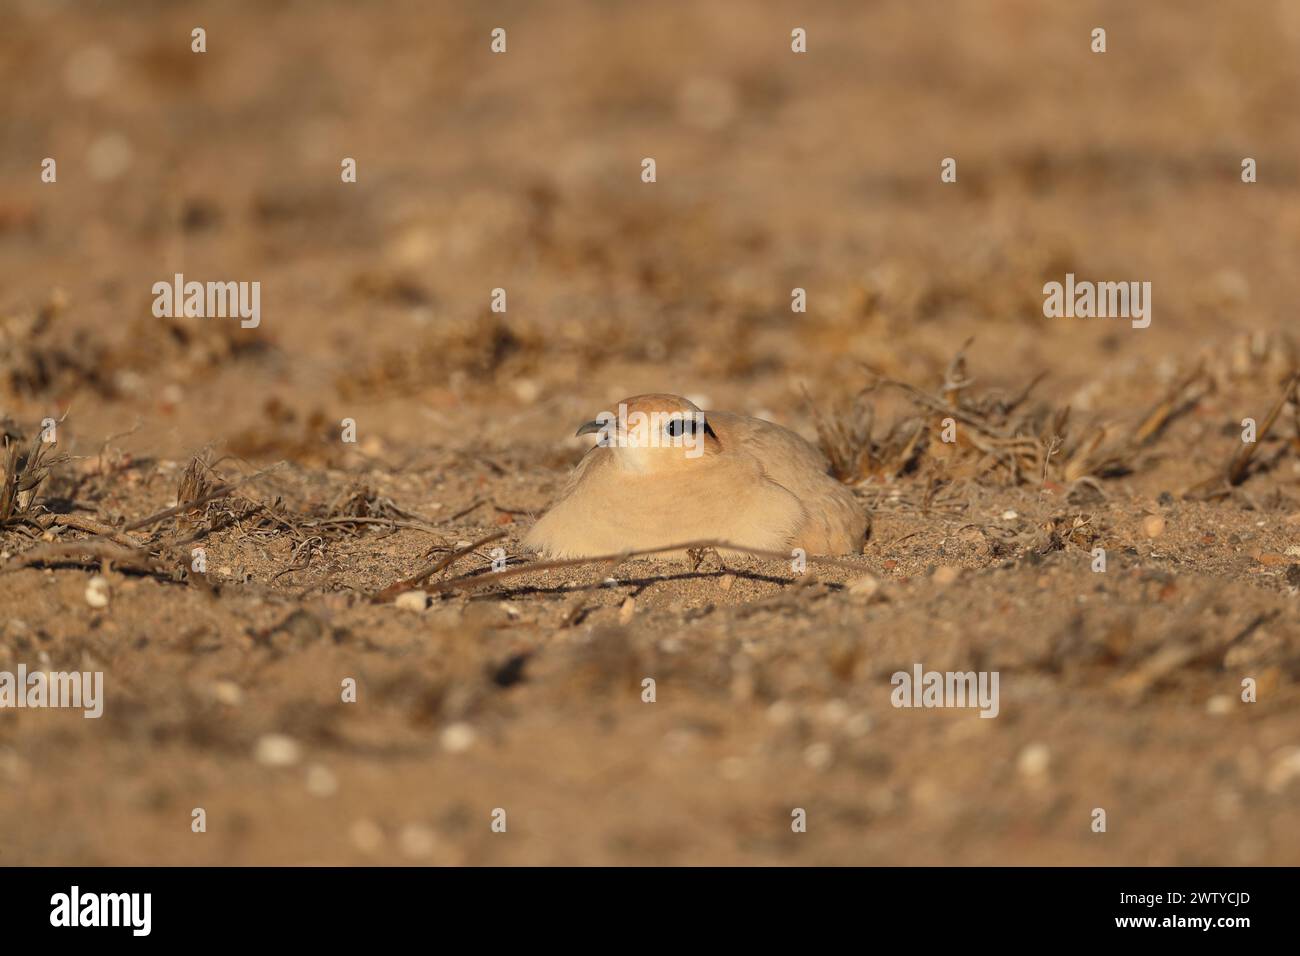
pixel 417 841
pixel 277 750
pixel 457 738
pixel 1219 705
pixel 228 693
pixel 97 591
pixel 1034 760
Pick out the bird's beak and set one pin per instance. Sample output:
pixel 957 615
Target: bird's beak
pixel 589 428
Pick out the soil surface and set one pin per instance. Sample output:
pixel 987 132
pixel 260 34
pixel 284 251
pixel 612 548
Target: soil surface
pixel 521 702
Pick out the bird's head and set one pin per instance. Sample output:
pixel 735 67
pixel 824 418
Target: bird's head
pixel 654 433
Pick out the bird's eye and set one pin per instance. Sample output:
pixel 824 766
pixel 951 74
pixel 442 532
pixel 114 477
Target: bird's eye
pixel 677 427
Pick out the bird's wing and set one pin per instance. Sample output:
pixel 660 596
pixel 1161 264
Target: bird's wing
pixel 836 521
pixel 785 456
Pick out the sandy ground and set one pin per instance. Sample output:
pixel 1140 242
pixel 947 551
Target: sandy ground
pixel 1120 690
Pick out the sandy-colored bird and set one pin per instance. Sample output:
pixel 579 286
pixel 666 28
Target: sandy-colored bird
pixel 665 472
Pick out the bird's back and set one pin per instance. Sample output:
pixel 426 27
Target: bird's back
pixel 837 521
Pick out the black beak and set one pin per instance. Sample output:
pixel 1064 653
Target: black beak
pixel 589 428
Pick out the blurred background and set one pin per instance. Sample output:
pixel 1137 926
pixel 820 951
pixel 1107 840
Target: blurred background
pixel 522 171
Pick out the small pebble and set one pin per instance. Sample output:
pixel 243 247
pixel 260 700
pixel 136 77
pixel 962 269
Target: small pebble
pixel 321 781
pixel 366 836
pixel 1034 761
pixel 865 586
pixel 1153 526
pixel 277 750
pixel 780 713
pixel 1218 705
pixel 818 756
pixel 228 693
pixel 859 725
pixel 833 712
pixel 1286 767
pixel 417 841
pixel 1009 515
pixel 97 591
pixel 458 737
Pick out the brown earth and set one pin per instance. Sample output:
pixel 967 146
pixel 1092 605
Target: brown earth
pixel 1120 690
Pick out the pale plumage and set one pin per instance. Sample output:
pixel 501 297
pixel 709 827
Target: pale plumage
pixel 728 477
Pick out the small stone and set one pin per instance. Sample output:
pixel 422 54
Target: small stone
pixel 1286 767
pixel 228 693
pixel 833 712
pixel 859 725
pixel 1034 761
pixel 12 767
pixel 865 586
pixel 818 756
pixel 945 575
pixel 527 391
pixel 1271 559
pixel 1009 515
pixel 97 591
pixel 416 601
pixel 458 737
pixel 109 156
pixel 277 750
pixel 366 836
pixel 321 781
pixel 780 713
pixel 726 581
pixel 1153 526
pixel 1218 705
pixel 417 841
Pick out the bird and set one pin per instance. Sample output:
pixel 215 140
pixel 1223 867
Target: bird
pixel 665 472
